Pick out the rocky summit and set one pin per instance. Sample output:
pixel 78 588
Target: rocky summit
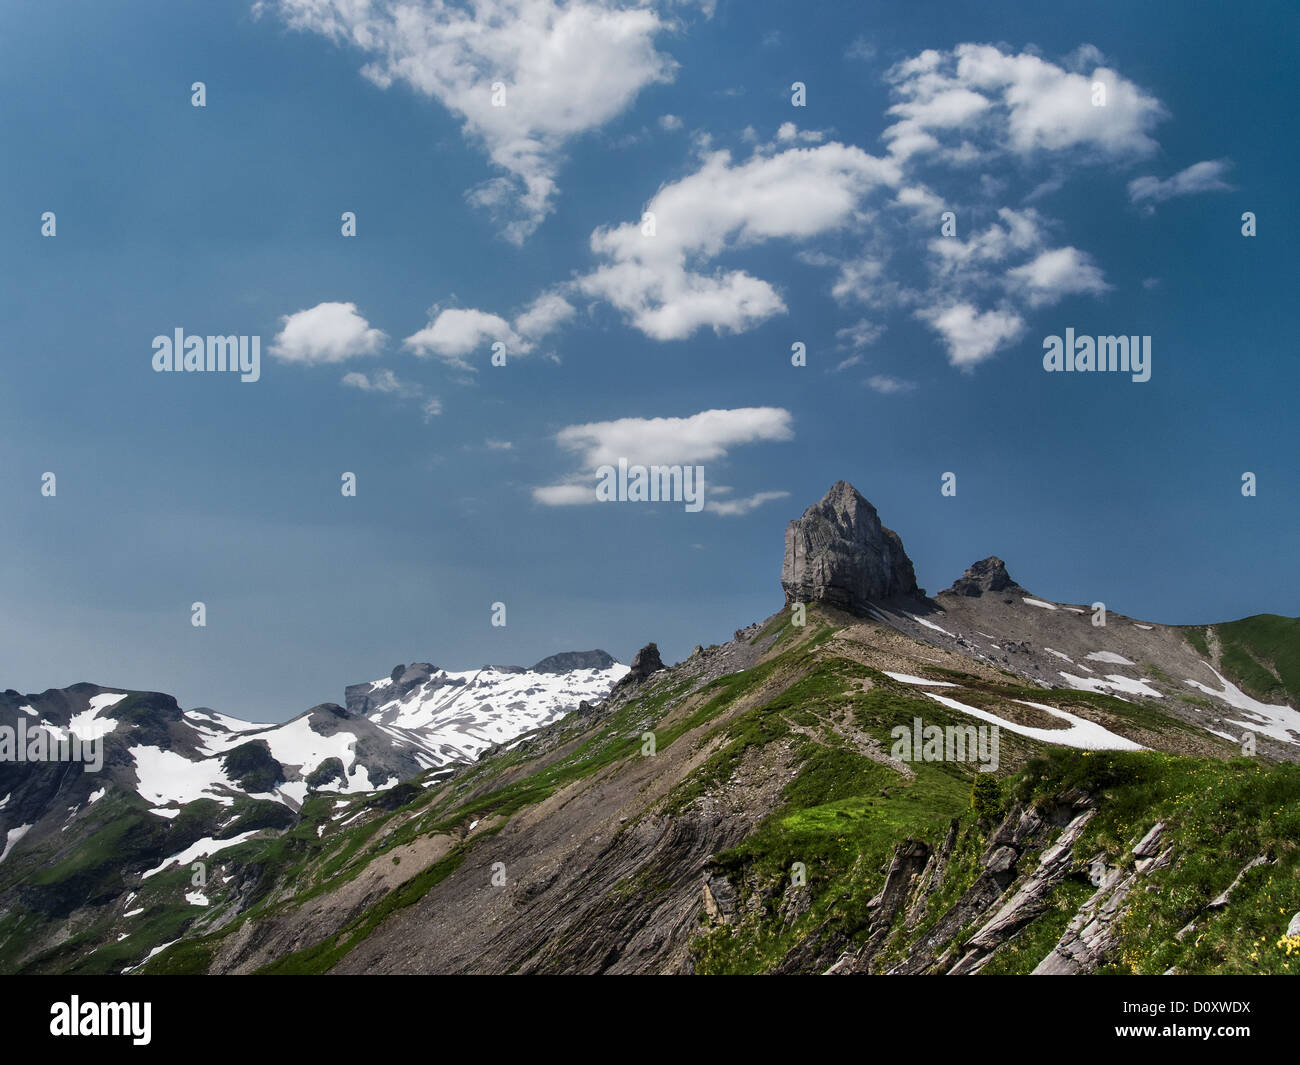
pixel 987 575
pixel 840 554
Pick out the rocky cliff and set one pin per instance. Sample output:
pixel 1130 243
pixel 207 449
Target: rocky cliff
pixel 838 553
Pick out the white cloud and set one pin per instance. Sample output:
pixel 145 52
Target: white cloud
pixel 671 123
pixel 789 132
pixel 565 495
pixel 700 438
pixel 972 336
pixel 455 332
pixel 498 445
pixel 1015 102
pixel 860 334
pixel 1057 273
pixel 1015 232
pixel 567 67
pixel 326 333
pixel 658 281
pixel 1199 177
pixel 731 508
pixel 888 386
pixel 543 316
pixel 380 381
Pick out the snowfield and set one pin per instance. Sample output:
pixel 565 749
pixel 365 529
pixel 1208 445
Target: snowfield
pixel 1082 734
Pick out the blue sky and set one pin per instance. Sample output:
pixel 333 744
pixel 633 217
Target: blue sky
pixel 774 224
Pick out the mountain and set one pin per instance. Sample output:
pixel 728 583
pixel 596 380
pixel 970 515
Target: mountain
pixel 986 781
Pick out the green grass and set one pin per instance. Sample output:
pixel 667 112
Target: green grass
pixel 1262 656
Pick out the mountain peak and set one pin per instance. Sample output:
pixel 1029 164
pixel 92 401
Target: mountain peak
pixel 570 660
pixel 987 575
pixel 839 553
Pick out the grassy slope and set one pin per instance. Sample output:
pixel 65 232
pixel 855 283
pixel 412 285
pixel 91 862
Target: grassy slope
pixel 840 815
pixel 1260 654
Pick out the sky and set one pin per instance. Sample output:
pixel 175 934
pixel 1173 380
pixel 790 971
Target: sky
pixel 647 206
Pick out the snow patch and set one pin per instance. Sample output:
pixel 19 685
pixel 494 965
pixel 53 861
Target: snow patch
pixel 1114 682
pixel 1038 602
pixel 202 849
pixel 908 679
pixel 88 725
pixel 929 625
pixel 1279 722
pixel 1110 657
pixel 1082 734
pixel 11 840
pixel 169 777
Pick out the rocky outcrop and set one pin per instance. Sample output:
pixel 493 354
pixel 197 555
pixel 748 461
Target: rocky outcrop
pixel 989 575
pixel 1091 934
pixel 569 660
pixel 838 553
pixel 646 662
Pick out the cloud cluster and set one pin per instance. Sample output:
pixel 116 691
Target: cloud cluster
pixel 455 333
pixel 658 271
pixel 962 104
pixel 566 68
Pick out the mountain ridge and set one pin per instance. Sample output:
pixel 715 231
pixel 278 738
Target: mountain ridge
pixel 652 828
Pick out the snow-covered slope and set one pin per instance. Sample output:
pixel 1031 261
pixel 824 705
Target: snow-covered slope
pixel 419 718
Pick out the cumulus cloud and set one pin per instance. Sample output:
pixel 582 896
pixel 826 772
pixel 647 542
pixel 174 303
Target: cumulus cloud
pixel 977 99
pixel 656 276
pixel 567 68
pixel 1207 176
pixel 971 335
pixel 543 316
pixel 1057 273
pixel 1015 232
pixel 326 333
pixel 708 436
pixel 454 333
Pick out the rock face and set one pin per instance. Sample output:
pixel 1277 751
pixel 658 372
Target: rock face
pixel 839 553
pixel 987 575
pixel 646 662
pixel 569 660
